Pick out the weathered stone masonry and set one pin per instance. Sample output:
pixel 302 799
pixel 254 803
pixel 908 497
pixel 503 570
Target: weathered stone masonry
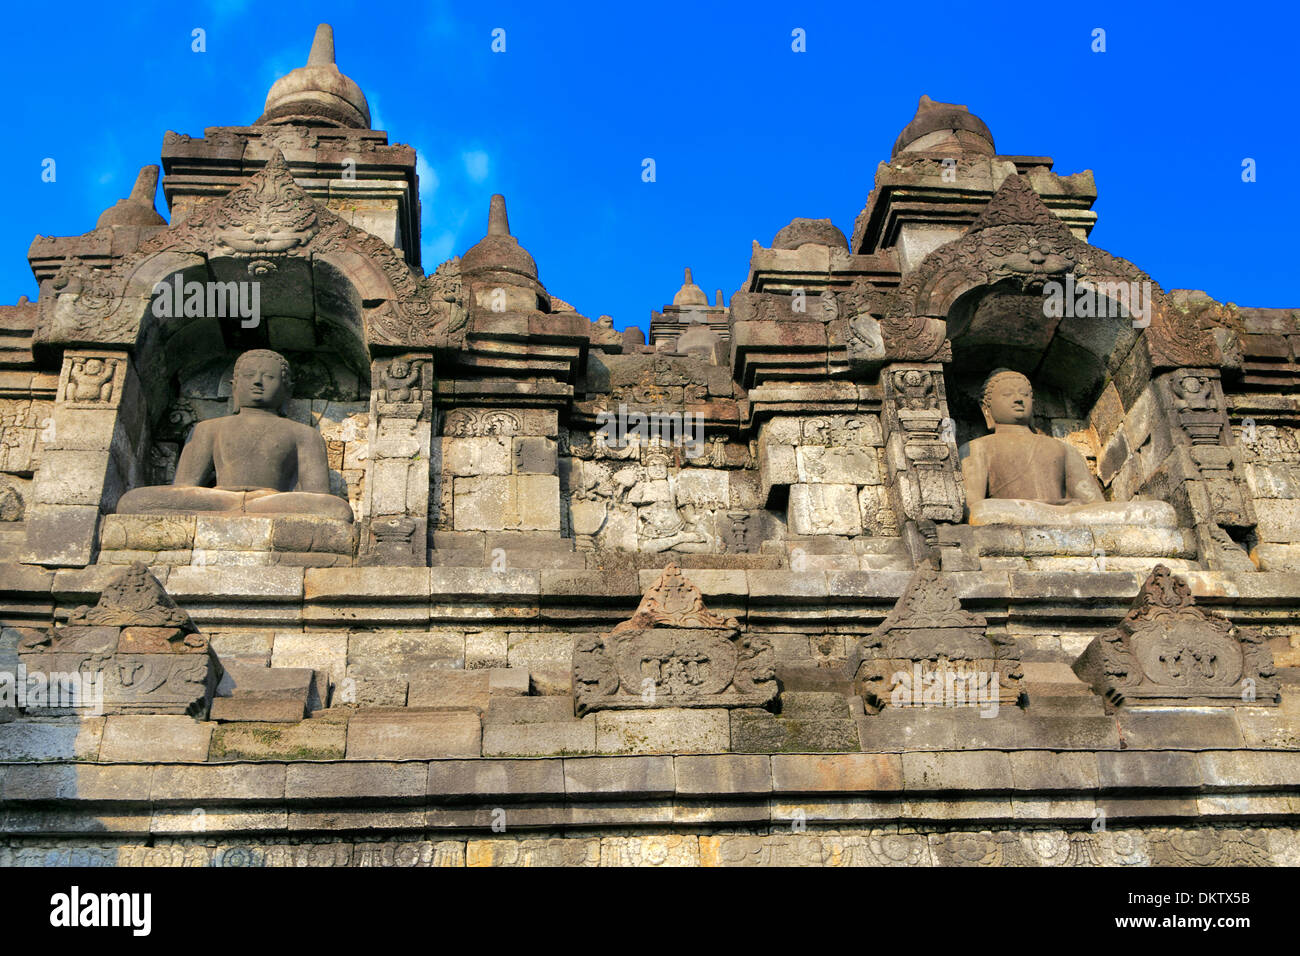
pixel 566 597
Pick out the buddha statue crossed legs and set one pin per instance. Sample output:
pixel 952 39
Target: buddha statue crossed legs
pixel 255 461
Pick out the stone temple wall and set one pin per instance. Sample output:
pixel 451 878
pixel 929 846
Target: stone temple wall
pixel 792 585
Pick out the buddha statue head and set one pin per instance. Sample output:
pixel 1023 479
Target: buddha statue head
pixel 1007 399
pixel 262 379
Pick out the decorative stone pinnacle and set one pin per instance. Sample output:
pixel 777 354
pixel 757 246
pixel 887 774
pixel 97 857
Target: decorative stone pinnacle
pixel 146 184
pixel 688 280
pixel 322 47
pixel 498 222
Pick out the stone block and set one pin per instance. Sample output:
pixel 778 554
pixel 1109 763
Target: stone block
pixel 590 778
pixel 1179 729
pixel 508 681
pixel 1044 771
pixel 326 654
pixel 195 786
pixel 1128 770
pixel 970 770
pixel 357 781
pixel 364 585
pixel 403 653
pixel 75 783
pixel 534 456
pixel 323 737
pixel 154 739
pixel 1250 770
pixel 445 689
pixel 147 532
pixel 528 710
pixel 418 735
pixel 252 681
pixel 837 773
pixel 229 709
pixel 214 532
pixel 486 649
pixel 231 583
pixel 67 738
pixel 372 692
pixel 476 457
pixel 518 502
pixel 724 775
pixel 540 738
pixel 485 780
pixel 669 730
pixel 756 731
pixel 824 509
pixel 61 536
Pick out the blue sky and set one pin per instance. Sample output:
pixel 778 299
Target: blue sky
pixel 745 133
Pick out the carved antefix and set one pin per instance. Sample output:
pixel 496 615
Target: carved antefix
pixel 673 652
pixel 1167 651
pixel 931 652
pixel 920 445
pixel 134 652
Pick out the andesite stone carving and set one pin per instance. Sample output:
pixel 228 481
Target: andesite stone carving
pixel 1167 651
pixel 142 652
pixel 673 652
pixel 930 651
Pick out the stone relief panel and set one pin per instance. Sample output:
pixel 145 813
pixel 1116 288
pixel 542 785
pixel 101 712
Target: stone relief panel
pixel 25 425
pixel 650 497
pixel 920 453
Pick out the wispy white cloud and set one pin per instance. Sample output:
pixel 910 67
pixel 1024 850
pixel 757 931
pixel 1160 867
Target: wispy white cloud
pixel 476 164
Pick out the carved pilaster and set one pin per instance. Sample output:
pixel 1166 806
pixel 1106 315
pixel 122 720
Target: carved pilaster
pixel 93 453
pixel 1210 467
pixel 920 452
pixel 397 470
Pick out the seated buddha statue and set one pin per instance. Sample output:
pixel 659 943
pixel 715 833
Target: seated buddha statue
pixel 255 461
pixel 1019 476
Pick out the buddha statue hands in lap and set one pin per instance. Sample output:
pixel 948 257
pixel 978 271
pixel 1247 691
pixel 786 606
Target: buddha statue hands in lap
pixel 255 461
pixel 1019 476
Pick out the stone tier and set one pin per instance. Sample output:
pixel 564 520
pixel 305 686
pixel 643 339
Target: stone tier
pixel 206 540
pixel 939 808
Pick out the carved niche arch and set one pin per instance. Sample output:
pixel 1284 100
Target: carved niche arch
pixel 269 230
pixel 1012 248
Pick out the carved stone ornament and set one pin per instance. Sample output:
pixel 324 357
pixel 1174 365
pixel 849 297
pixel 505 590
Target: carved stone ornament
pixel 673 652
pixel 134 652
pixel 1016 238
pixel 134 599
pixel 930 651
pixel 263 222
pixel 1167 651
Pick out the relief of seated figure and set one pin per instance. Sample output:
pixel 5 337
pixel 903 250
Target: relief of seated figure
pixel 255 461
pixel 1019 476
